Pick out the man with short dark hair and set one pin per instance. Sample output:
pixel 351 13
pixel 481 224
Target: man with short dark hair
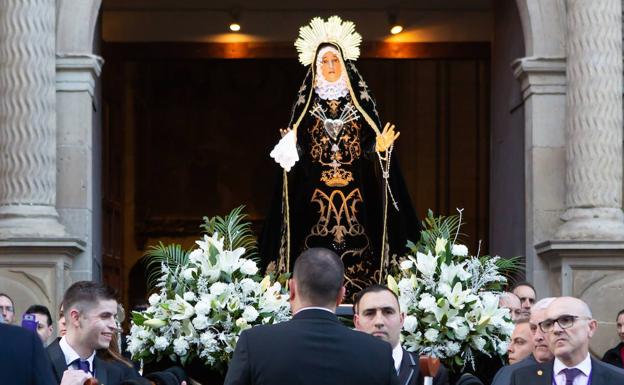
pixel 314 347
pixel 7 307
pixel 527 294
pixel 90 309
pixel 44 321
pixel 615 356
pixel 376 312
pixel 568 328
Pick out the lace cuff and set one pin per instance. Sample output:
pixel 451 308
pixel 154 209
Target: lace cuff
pixel 285 151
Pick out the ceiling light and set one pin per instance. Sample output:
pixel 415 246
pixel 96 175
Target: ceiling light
pixel 235 25
pixel 395 26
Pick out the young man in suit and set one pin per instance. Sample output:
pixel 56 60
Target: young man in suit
pixel 314 347
pixel 541 351
pixel 90 309
pixel 376 312
pixel 568 328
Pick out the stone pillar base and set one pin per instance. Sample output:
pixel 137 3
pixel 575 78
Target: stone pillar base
pixel 592 223
pixel 20 221
pixel 35 271
pixel 593 271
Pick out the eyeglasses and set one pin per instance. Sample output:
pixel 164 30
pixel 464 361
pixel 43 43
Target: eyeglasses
pixel 8 309
pixel 565 321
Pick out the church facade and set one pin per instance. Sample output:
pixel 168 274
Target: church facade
pixel 556 103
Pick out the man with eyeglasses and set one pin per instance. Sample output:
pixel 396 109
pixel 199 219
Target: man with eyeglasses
pixel 541 351
pixel 568 327
pixel 7 307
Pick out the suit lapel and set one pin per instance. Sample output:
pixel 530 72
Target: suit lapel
pixel 101 373
pixel 408 368
pixel 58 359
pixel 598 375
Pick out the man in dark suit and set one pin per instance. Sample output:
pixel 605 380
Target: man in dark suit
pixel 568 328
pixel 376 312
pixel 22 358
pixel 541 351
pixel 615 356
pixel 314 347
pixel 90 309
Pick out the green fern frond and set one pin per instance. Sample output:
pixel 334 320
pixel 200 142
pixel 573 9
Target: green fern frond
pixel 510 267
pixel 438 227
pixel 236 232
pixel 171 255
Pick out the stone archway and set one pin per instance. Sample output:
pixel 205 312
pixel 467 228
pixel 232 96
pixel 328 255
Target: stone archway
pixel 543 84
pixel 571 80
pixel 47 205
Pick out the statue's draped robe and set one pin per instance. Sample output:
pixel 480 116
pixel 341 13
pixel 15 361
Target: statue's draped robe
pixel 334 196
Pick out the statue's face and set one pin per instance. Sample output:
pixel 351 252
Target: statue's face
pixel 330 67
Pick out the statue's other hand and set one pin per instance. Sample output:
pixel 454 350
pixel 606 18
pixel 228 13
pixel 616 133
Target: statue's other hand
pixel 386 139
pixel 284 131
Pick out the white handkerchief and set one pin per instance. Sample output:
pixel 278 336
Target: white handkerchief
pixel 285 151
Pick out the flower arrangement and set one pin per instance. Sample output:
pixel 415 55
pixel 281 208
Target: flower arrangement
pixel 205 298
pixel 450 298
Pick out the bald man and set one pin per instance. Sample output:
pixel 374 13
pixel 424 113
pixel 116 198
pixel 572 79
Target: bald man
pixel 568 328
pixel 510 301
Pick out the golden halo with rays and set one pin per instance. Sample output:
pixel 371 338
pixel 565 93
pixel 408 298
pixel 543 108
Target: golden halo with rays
pixel 334 30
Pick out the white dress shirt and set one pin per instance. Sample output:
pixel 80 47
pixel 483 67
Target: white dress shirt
pixel 581 379
pixel 397 356
pixel 71 356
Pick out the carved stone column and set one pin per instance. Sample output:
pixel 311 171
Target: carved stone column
pixel 27 119
pixel 594 121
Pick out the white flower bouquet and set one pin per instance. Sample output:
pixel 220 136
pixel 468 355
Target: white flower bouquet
pixel 205 298
pixel 450 298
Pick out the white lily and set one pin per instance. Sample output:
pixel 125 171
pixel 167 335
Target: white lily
pixel 448 273
pixel 458 297
pixel 426 263
pixel 229 261
pixel 181 309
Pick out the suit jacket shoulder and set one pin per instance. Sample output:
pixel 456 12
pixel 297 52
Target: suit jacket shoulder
pixel 22 358
pixel 606 374
pixel 503 376
pixel 57 360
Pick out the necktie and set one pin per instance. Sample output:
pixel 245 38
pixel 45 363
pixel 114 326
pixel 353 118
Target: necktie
pixel 85 367
pixel 570 375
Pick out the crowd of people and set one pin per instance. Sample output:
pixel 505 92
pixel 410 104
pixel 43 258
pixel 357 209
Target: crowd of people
pixel 549 345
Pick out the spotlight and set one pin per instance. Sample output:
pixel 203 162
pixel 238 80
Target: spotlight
pixel 395 26
pixel 235 25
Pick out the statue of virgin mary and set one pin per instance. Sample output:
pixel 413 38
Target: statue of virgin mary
pixel 341 187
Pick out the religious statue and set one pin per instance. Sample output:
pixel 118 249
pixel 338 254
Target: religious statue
pixel 341 187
